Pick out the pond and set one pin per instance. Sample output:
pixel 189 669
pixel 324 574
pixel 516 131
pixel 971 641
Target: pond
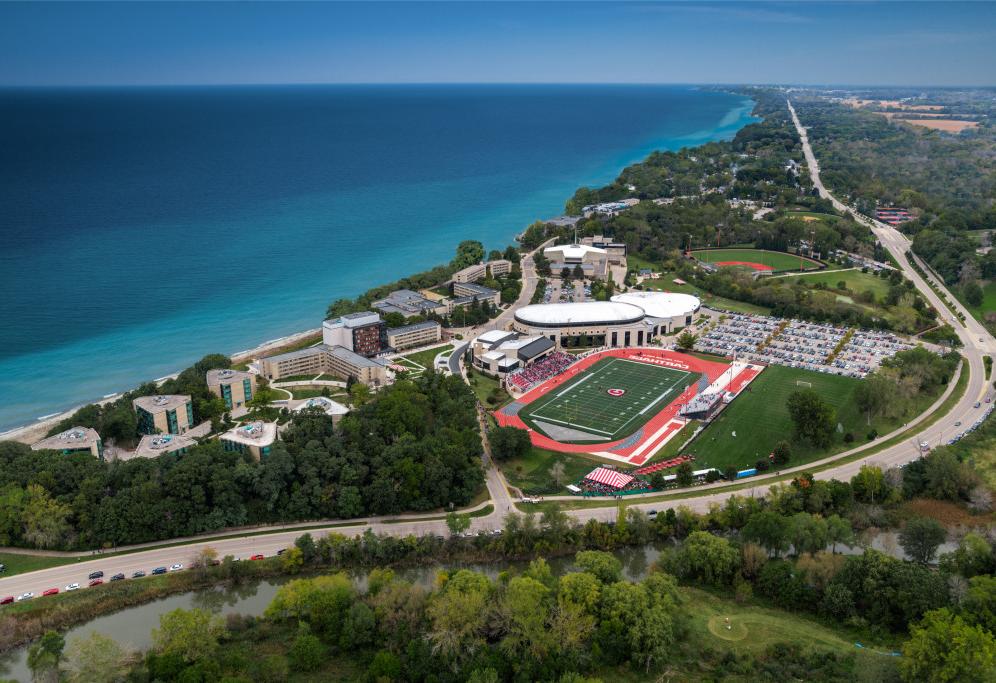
pixel 133 627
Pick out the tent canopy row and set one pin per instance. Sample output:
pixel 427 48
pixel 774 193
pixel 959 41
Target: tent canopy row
pixel 602 475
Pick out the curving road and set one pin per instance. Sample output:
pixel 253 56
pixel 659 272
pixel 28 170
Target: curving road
pixel 978 342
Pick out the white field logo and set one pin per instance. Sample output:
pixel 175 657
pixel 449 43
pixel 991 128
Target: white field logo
pixel 616 392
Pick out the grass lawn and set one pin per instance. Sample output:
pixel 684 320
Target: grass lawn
pixel 673 447
pixel 531 473
pixel 18 564
pixel 760 419
pixel 424 359
pixel 988 300
pixel 485 387
pixel 584 403
pixel 778 260
pixel 856 281
pixel 665 284
pixel 753 628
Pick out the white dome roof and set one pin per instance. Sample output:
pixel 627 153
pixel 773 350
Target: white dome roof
pixel 581 313
pixel 661 304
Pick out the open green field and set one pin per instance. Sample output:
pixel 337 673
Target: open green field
pixel 533 473
pixel 775 259
pixel 420 361
pixel 988 304
pixel 855 280
pixel 587 410
pixel 760 419
pixel 16 563
pixel 665 284
pixel 486 388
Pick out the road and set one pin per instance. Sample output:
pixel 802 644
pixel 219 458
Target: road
pixel 976 339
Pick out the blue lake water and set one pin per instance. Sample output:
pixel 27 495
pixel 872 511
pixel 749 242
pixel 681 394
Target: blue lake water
pixel 144 227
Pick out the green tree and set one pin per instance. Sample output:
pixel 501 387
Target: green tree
pixel 457 523
pixel 45 519
pixel 838 531
pixel 273 669
pixel 943 647
pixel 306 652
pixel 686 341
pixel 683 475
pixel 782 452
pixel 769 529
pixel 606 567
pixel 509 442
pixel 813 418
pixel 705 557
pixel 921 537
pixel 292 560
pixel 96 659
pixel 457 616
pixel 44 657
pixel 526 610
pixel 191 634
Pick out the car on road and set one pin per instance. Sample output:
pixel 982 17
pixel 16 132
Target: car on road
pixel 977 405
pixel 175 567
pixel 96 575
pixel 25 596
pixel 159 570
pixel 95 582
pixel 118 577
pixel 137 575
pixel 51 591
pixel 257 556
pixel 958 423
pixel 73 587
pixel 7 600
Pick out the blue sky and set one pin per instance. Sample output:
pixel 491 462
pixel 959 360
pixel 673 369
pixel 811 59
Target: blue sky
pixel 78 43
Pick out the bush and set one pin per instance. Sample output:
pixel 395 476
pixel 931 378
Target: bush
pixel 307 652
pixel 849 438
pixel 872 435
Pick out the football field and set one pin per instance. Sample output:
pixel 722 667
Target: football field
pixel 608 401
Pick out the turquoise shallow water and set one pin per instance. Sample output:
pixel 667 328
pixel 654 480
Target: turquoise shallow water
pixel 143 228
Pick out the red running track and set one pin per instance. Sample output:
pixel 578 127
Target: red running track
pixel 749 264
pixel 678 361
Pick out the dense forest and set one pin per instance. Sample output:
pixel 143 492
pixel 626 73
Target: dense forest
pixel 945 180
pixel 414 446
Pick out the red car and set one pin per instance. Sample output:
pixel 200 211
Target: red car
pixel 95 582
pixel 6 601
pixel 257 557
pixel 51 591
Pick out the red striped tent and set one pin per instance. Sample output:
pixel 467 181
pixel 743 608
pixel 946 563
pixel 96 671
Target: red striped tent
pixel 616 480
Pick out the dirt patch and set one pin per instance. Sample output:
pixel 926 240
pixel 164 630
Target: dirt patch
pixel 947 125
pixel 948 514
pixel 810 219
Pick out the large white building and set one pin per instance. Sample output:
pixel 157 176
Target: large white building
pixel 631 319
pixel 593 260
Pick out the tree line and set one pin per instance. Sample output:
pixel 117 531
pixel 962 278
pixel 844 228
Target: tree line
pixel 414 446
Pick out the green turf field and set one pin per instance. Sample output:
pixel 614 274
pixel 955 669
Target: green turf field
pixel 584 404
pixel 761 419
pixel 776 259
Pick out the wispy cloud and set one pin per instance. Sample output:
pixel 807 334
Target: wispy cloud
pixel 730 11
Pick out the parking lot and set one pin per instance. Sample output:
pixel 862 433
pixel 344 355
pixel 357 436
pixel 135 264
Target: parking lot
pixel 800 344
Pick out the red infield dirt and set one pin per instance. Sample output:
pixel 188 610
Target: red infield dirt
pixel 652 435
pixel 748 264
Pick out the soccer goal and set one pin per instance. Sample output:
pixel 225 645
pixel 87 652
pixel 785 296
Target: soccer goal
pixel 803 383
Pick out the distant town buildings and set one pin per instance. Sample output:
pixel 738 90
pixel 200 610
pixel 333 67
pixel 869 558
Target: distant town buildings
pixel 892 215
pixel 609 208
pixel 164 414
pixel 235 387
pixel 73 440
pixel 255 438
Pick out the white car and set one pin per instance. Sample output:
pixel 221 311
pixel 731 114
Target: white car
pixel 73 587
pixel 25 596
pixel 176 567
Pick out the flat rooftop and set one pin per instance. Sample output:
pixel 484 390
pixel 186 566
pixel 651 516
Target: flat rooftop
pixel 260 434
pixel 427 325
pixel 226 375
pixel 74 437
pixel 157 404
pixel 152 445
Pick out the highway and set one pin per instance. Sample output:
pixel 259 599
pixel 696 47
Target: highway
pixel 977 343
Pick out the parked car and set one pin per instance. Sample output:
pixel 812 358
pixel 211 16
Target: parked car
pixel 279 552
pixel 7 600
pixel 137 575
pixel 257 556
pixel 73 587
pixel 51 591
pixel 96 575
pixel 175 567
pixel 118 577
pixel 25 596
pixel 159 570
pixel 3 567
pixel 95 582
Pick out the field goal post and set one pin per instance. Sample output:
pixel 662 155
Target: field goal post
pixel 803 383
